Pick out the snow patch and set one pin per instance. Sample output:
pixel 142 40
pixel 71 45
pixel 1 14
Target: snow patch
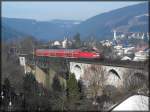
pixel 134 103
pixel 142 15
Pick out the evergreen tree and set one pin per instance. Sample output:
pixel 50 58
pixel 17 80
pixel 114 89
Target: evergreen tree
pixel 56 84
pixel 7 87
pixel 72 86
pixel 7 84
pixel 73 94
pixel 30 84
pixel 81 89
pixel 77 40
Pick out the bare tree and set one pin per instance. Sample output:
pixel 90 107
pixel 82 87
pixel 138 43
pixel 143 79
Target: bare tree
pixel 95 78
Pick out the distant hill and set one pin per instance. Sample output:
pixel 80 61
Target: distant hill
pixel 45 30
pixel 131 18
pixel 9 34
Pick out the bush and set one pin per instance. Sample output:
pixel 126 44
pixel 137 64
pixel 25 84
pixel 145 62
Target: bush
pixel 73 94
pixel 113 93
pixel 29 84
pixel 56 84
pixel 72 87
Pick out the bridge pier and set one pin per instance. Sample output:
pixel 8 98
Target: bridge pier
pixel 45 72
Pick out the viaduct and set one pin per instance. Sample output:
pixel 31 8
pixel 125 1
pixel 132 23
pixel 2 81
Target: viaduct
pixel 115 70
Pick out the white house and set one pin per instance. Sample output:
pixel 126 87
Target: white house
pixel 141 56
pixel 23 62
pixel 126 58
pixel 56 43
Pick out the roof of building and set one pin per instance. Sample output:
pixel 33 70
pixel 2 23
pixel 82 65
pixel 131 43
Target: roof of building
pixel 126 58
pixel 57 43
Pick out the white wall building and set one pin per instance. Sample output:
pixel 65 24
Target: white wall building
pixel 119 50
pixel 23 63
pixel 128 50
pixel 56 43
pixel 141 56
pixel 106 43
pixel 65 43
pixel 126 58
pixel 115 34
pixel 118 47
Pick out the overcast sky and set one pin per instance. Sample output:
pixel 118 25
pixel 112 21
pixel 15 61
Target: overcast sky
pixel 59 10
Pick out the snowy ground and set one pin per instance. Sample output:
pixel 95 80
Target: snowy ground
pixel 135 102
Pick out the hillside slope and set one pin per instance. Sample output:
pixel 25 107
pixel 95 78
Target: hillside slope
pixel 131 18
pixel 45 30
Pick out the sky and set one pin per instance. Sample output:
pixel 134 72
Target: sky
pixel 46 11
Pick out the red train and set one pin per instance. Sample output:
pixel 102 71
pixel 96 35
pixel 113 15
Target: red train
pixel 67 53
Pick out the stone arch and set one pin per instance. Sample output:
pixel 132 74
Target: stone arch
pixel 77 66
pixel 137 81
pixel 77 71
pixel 138 76
pixel 113 78
pixel 114 72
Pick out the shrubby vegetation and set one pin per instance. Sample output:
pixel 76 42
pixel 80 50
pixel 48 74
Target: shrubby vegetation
pixel 77 41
